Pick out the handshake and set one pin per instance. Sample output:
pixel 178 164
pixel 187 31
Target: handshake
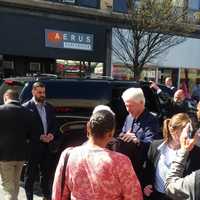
pixel 46 138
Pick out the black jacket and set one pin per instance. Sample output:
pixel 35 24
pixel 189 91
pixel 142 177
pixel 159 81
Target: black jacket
pixel 16 128
pixel 37 145
pixel 153 158
pixel 170 107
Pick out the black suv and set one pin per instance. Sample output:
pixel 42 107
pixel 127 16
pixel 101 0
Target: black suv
pixel 74 100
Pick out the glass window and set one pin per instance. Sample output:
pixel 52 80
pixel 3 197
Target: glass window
pixel 89 3
pixel 120 6
pixel 79 69
pixel 194 4
pixel 34 67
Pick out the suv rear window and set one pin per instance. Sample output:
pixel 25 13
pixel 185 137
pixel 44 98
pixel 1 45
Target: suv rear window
pixel 86 92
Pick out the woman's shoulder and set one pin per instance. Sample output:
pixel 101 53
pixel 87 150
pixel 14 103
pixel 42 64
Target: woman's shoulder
pixel 118 157
pixel 154 147
pixel 156 143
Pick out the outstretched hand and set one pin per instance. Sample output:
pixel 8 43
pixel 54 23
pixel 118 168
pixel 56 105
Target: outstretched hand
pixel 154 86
pixel 186 142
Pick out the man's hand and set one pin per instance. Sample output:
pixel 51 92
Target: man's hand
pixel 129 137
pixel 50 136
pixel 148 190
pixel 154 86
pixel 186 142
pixel 46 138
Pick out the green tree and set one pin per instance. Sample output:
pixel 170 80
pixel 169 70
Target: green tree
pixel 152 29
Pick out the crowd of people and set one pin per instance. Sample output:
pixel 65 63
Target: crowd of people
pixel 142 162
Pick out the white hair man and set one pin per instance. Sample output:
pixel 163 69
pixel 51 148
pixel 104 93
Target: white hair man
pixel 140 127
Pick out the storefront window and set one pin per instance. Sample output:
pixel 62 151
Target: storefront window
pixel 35 67
pixel 190 77
pixel 78 69
pixel 121 72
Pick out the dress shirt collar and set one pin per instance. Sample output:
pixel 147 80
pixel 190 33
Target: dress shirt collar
pixel 37 103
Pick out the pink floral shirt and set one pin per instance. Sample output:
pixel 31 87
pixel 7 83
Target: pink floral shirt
pixel 95 173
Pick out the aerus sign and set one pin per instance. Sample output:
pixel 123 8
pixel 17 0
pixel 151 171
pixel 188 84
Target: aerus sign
pixel 68 40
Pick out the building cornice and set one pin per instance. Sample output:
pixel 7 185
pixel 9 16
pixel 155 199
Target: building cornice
pixel 74 13
pixel 91 14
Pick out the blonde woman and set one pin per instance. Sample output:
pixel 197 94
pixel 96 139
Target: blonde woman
pixel 163 152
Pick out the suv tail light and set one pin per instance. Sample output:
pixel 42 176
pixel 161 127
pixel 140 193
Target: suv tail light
pixel 62 109
pixel 11 82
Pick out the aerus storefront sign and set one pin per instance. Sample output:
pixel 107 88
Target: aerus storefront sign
pixel 68 40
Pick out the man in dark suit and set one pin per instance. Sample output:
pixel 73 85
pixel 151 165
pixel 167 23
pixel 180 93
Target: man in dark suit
pixel 16 128
pixel 40 155
pixel 168 84
pixel 140 129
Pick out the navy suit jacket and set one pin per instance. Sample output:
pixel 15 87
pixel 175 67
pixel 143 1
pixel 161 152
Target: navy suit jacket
pixel 36 143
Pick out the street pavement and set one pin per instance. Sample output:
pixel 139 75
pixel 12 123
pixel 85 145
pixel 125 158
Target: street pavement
pixel 22 196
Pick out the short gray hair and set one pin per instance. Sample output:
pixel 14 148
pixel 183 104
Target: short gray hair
pixel 133 94
pixel 12 94
pixel 103 107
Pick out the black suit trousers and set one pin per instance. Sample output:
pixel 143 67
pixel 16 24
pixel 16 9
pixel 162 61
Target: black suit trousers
pixel 42 161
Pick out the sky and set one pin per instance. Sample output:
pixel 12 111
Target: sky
pixel 184 55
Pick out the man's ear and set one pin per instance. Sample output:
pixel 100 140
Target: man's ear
pixel 111 133
pixel 4 98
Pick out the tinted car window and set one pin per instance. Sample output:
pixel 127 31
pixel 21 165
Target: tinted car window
pixel 76 90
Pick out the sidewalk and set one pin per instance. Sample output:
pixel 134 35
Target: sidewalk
pixel 22 195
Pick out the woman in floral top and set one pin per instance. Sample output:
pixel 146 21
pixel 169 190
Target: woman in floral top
pixel 94 172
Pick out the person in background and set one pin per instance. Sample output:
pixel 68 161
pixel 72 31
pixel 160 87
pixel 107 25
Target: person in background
pixel 179 186
pixel 17 126
pixel 184 86
pixel 94 172
pixel 196 90
pixel 40 155
pixel 140 129
pixel 168 84
pixel 177 104
pixel 162 153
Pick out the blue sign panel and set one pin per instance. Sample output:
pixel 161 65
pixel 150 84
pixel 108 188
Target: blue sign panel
pixel 68 40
